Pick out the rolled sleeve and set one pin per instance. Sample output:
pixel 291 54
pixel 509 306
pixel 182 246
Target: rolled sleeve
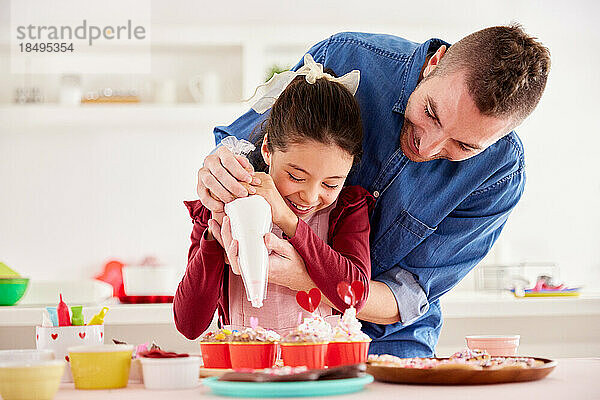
pixel 410 297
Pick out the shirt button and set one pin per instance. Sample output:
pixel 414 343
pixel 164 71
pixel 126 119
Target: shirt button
pixel 376 194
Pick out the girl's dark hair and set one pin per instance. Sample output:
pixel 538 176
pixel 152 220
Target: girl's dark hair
pixel 324 111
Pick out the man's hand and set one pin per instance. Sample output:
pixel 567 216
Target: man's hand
pixel 219 180
pixel 230 245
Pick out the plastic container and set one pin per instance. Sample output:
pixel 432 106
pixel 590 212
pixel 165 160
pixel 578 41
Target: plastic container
pixel 101 367
pixel 171 373
pixel 37 380
pixel 147 280
pixel 60 338
pixel 495 345
pixel 215 354
pixel 26 355
pixel 346 353
pixel 312 355
pixel 253 355
pixel 11 290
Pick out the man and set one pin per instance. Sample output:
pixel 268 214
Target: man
pixel 440 157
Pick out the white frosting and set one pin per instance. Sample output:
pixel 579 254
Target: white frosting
pixel 317 326
pixel 349 328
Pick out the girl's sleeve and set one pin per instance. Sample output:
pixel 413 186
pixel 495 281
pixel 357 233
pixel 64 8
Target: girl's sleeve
pixel 348 258
pixel 199 291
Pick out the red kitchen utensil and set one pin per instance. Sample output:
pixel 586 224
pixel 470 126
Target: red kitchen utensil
pixel 309 301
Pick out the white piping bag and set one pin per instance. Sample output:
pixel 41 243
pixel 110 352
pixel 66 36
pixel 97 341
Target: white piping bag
pixel 251 220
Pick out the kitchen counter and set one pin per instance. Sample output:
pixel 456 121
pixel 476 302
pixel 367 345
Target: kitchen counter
pixel 572 378
pixel 454 305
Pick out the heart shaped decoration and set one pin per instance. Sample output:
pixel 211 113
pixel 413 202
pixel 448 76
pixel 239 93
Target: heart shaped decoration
pixel 309 301
pixel 67 358
pixel 82 334
pixel 345 292
pixel 350 293
pixel 54 336
pixel 37 337
pixel 254 322
pixel 101 334
pixel 358 288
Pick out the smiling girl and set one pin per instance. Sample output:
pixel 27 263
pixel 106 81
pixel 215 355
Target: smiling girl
pixel 306 148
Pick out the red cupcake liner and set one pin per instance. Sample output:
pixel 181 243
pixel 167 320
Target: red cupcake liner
pixel 215 355
pixel 346 353
pixel 312 355
pixel 252 355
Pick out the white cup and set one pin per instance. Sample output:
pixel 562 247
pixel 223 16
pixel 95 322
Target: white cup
pixel 59 338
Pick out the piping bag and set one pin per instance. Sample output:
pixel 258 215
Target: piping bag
pixel 251 220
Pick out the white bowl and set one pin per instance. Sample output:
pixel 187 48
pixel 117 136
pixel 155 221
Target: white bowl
pixel 149 281
pixel 26 355
pixel 171 373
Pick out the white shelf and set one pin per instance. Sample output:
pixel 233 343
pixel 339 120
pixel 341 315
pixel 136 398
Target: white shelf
pixel 24 117
pixel 496 305
pixel 118 314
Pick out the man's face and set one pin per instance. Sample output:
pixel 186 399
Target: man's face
pixel 442 121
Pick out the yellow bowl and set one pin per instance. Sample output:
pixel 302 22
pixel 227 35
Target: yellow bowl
pixel 101 366
pixel 37 380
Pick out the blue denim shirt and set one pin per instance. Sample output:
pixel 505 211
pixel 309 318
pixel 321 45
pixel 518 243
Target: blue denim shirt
pixel 433 221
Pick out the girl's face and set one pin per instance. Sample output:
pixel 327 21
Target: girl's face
pixel 309 176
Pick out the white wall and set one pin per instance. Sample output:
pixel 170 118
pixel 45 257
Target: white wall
pixel 72 196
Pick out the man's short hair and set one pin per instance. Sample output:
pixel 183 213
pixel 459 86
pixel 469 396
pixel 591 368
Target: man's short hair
pixel 506 70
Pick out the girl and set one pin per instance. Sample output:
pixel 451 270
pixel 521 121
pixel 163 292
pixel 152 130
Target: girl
pixel 308 144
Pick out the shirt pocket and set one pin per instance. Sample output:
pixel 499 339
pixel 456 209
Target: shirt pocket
pixel 403 235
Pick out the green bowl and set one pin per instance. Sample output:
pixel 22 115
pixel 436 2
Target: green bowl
pixel 11 290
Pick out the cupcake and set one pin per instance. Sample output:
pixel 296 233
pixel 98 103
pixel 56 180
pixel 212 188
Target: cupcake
pixel 349 344
pixel 214 347
pixel 253 348
pixel 307 344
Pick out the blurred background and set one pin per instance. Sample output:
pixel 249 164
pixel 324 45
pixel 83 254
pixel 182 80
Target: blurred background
pixel 94 167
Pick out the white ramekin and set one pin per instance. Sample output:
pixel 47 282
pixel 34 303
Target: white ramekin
pixel 171 373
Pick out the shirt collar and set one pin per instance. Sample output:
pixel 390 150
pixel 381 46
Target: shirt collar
pixel 413 70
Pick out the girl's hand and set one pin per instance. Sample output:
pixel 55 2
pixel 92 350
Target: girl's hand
pixel 283 216
pixel 286 266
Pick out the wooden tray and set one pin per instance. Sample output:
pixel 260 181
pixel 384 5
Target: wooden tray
pixel 460 376
pixel 208 372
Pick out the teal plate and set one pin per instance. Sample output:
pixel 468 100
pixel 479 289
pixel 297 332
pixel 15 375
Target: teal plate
pixel 287 389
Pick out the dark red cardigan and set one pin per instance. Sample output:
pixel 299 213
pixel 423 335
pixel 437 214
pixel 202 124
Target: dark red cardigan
pixel 345 257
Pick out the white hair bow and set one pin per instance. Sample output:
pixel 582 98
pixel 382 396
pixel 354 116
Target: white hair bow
pixel 268 92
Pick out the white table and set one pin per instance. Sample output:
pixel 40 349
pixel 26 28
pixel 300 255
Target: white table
pixel 573 379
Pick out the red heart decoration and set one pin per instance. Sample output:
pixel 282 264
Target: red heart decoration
pixel 350 293
pixel 54 336
pixel 358 288
pixel 82 334
pixel 67 358
pixel 101 334
pixel 37 336
pixel 309 301
pixel 345 292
